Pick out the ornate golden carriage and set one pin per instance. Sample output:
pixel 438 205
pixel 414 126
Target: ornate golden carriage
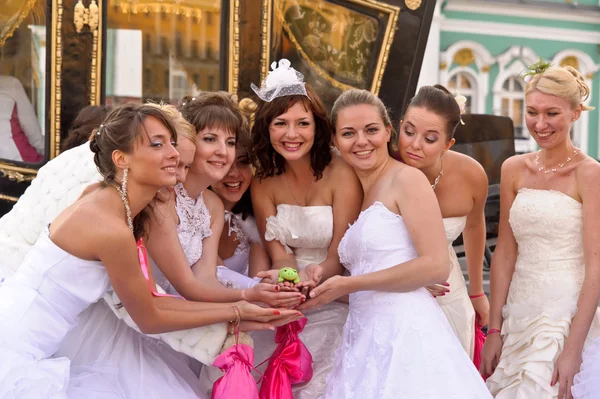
pixel 57 56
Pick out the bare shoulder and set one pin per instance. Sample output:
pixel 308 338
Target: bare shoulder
pixel 339 169
pixel 262 186
pixel 588 172
pixel 213 203
pixel 404 174
pixel 514 163
pixel 471 169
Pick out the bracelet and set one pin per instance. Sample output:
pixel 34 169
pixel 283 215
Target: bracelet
pixel 477 296
pixel 493 331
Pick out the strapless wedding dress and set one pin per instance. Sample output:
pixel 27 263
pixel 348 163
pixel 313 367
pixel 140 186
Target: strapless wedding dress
pixel 456 304
pixel 395 345
pixel 39 304
pixel 543 294
pixel 306 231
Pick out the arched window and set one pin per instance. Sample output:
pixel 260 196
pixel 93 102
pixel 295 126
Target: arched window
pixel 513 104
pixel 462 83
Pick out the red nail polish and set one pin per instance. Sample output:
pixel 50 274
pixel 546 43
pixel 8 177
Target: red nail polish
pixel 276 313
pixel 276 288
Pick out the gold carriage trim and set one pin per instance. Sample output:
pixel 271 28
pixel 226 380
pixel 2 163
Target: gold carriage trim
pixel 392 11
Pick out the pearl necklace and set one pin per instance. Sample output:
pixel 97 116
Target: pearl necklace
pixel 560 165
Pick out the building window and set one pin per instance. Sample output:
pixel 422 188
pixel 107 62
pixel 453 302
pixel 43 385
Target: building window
pixel 147 42
pixel 164 46
pixel 147 78
pixel 167 79
pixel 462 83
pixel 178 45
pixel 513 104
pixel 196 78
pixel 194 48
pixel 209 50
pixel 211 82
pixel 209 17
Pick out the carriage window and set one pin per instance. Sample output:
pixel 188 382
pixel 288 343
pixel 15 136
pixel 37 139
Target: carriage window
pixel 161 51
pixel 23 80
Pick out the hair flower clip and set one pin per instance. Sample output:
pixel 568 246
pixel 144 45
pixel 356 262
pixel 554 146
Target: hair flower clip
pixel 462 103
pixel 282 80
pixel 534 69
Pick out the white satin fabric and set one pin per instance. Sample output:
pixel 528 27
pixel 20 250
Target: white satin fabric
pixel 543 294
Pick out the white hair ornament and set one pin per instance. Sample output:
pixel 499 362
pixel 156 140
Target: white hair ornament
pixel 282 81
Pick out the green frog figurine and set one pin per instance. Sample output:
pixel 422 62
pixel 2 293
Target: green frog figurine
pixel 288 274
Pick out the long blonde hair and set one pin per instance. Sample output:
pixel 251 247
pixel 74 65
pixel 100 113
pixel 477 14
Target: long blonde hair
pixel 564 82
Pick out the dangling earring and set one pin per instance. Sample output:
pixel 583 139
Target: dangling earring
pixel 123 192
pixel 124 182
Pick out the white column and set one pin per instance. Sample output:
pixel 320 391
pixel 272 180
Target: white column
pixel 431 60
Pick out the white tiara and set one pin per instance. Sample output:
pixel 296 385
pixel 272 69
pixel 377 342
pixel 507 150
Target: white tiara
pixel 283 80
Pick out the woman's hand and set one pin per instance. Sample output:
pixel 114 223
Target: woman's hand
pixel 438 289
pixel 258 326
pixel 482 308
pixel 274 296
pixel 310 276
pixel 490 354
pixel 329 291
pixel 251 312
pixel 566 366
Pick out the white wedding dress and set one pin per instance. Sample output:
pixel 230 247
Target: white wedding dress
pixel 543 294
pixel 101 335
pixel 395 345
pixel 39 304
pixel 456 304
pixel 306 231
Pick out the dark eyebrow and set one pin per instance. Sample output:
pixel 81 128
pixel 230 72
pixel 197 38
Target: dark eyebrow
pixel 372 123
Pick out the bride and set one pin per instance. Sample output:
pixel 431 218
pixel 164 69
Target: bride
pixel 301 209
pixel 397 341
pixel 546 267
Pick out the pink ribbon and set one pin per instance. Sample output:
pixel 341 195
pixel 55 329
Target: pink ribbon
pixel 143 257
pixel 291 363
pixel 479 341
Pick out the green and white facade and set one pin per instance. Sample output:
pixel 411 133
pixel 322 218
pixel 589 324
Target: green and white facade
pixel 479 48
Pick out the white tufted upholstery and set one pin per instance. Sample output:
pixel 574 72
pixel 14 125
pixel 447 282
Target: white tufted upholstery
pixel 58 184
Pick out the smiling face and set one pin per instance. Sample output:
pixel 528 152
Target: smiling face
pixel 361 136
pixel 154 158
pixel 423 138
pixel 292 133
pixel 549 118
pixel 215 152
pixel 236 182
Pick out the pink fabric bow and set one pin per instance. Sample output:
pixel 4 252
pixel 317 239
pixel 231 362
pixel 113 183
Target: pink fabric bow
pixel 479 341
pixel 237 382
pixel 291 363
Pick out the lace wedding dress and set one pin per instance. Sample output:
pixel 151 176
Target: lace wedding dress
pixel 456 304
pixel 543 294
pixel 395 345
pixel 306 231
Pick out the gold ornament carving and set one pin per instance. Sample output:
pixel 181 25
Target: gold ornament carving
pixel 571 61
pixel 8 198
pixel 443 65
pixel 248 108
pixel 486 68
pixel 412 4
pixel 18 177
pixel 90 16
pixel 464 57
